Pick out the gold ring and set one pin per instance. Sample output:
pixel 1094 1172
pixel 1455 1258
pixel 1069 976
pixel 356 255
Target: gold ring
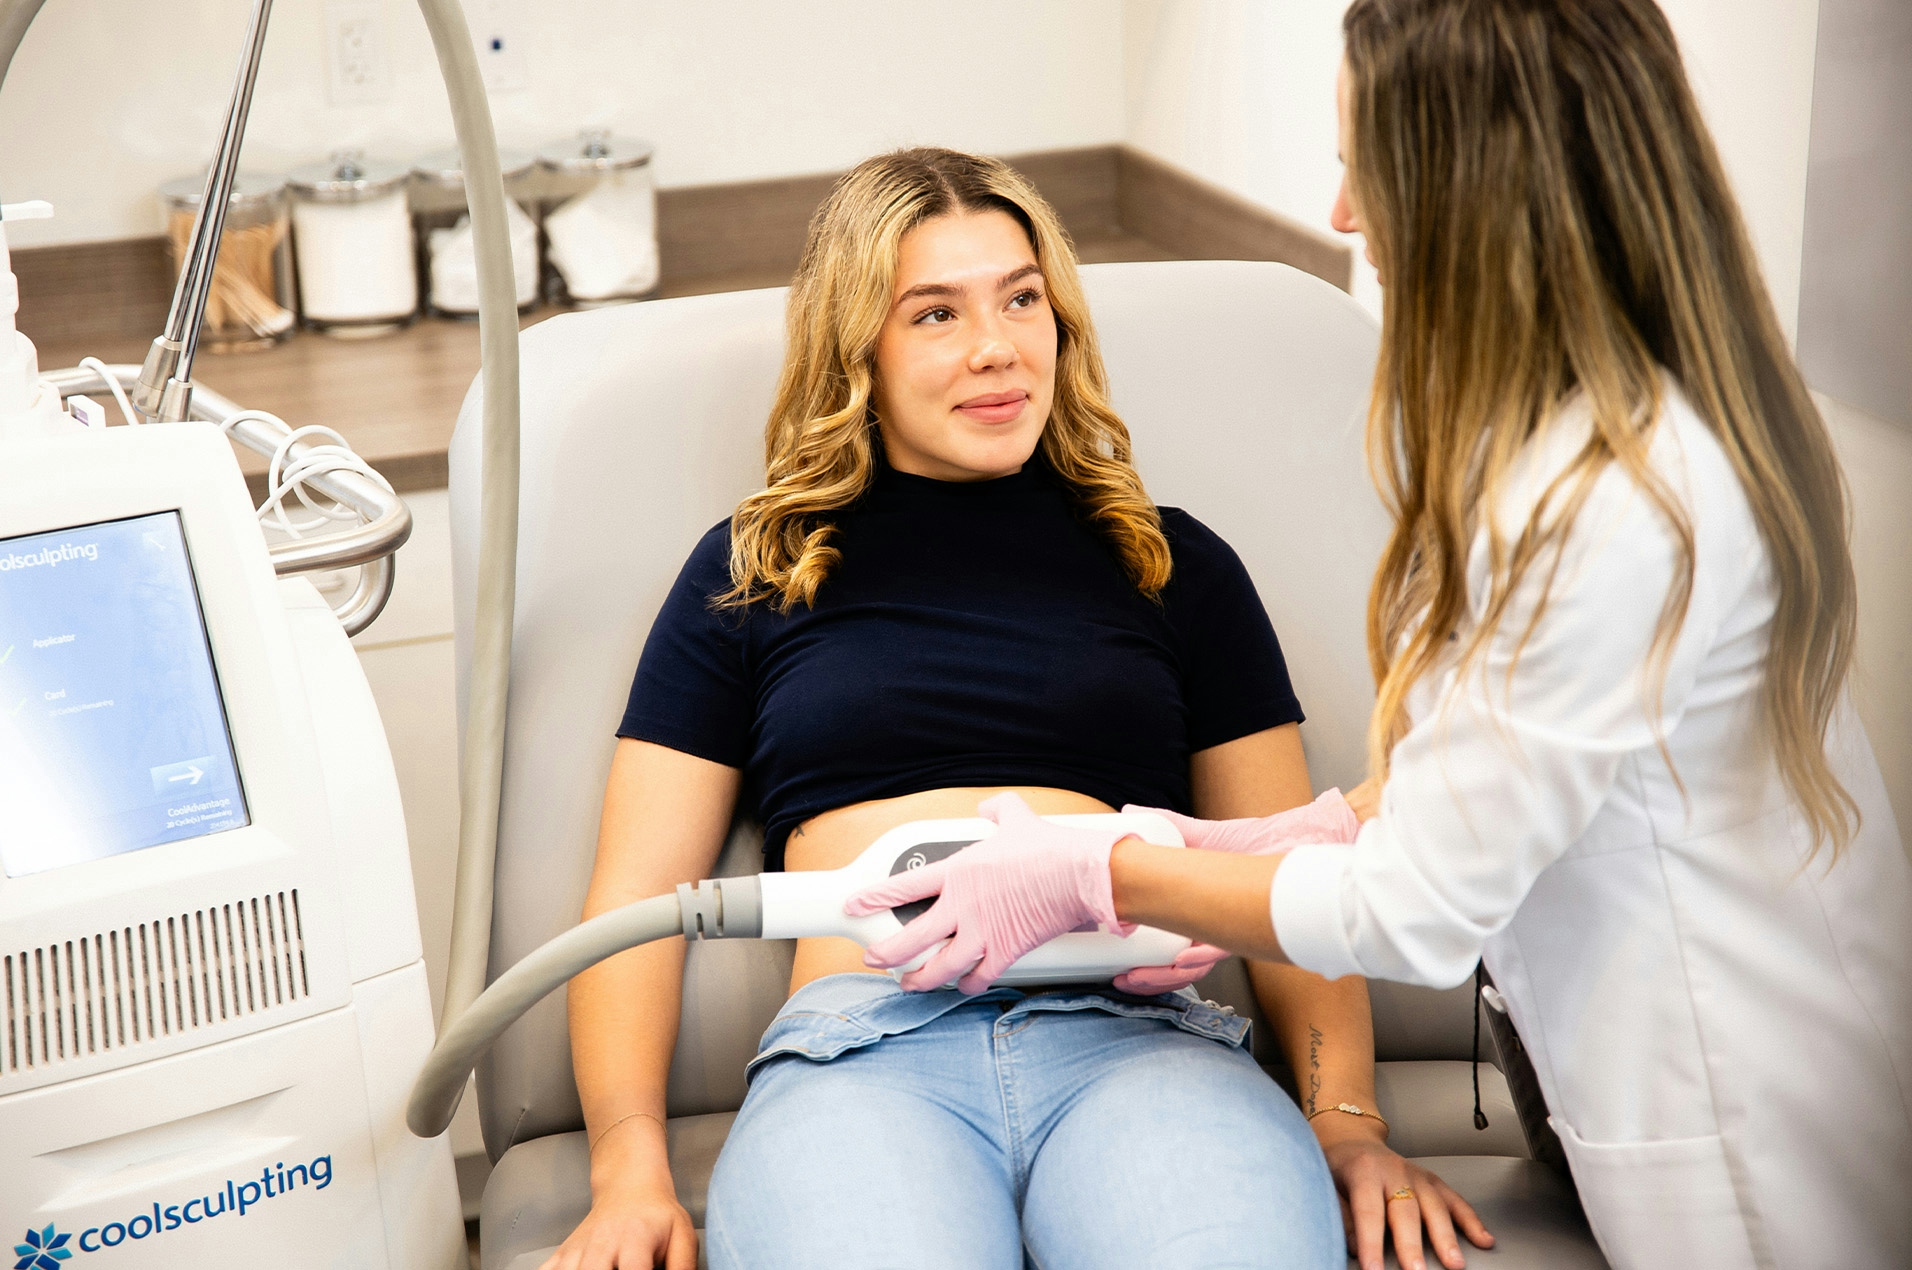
pixel 1406 1192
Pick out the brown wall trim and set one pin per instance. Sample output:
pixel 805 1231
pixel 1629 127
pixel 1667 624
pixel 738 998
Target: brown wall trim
pixel 1201 221
pixel 103 290
pixel 1080 184
pixel 747 230
pixel 740 228
pixel 751 228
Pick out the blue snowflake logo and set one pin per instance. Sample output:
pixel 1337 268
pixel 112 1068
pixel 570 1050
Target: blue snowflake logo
pixel 43 1250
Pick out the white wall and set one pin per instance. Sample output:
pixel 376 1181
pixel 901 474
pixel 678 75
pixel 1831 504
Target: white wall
pixel 1877 457
pixel 107 98
pixel 1855 309
pixel 1751 64
pixel 1242 92
pixel 1238 91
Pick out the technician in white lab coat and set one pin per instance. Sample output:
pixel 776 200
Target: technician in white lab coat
pixel 1612 632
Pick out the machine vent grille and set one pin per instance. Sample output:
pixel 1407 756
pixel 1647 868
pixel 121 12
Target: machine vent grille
pixel 166 977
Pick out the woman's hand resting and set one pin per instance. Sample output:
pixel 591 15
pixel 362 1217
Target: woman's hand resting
pixel 630 1231
pixel 1368 1174
pixel 635 1222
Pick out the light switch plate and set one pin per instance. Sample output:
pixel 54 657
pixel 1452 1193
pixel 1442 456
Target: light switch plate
pixel 358 67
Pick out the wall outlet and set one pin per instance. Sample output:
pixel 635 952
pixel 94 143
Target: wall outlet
pixel 358 70
pixel 498 29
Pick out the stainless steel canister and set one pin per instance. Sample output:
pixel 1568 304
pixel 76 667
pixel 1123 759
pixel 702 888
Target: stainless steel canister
pixel 600 221
pixel 447 254
pixel 352 233
pixel 250 304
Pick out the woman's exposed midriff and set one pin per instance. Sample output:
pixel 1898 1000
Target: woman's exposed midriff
pixel 835 838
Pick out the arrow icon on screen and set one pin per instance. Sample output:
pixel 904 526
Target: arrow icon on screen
pixel 191 775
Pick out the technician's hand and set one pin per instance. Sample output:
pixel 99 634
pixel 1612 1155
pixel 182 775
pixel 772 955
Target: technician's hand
pixel 1370 1178
pixel 1008 894
pixel 1189 966
pixel 630 1230
pixel 1365 799
pixel 1326 819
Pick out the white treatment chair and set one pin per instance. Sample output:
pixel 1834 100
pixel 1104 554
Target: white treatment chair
pixel 1244 385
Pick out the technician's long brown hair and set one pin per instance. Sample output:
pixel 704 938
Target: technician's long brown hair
pixel 818 456
pixel 1548 212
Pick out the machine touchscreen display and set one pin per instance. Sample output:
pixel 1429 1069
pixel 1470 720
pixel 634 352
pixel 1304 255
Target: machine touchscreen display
pixel 113 736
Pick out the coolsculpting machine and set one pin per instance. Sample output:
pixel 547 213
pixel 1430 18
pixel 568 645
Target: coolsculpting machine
pixel 212 994
pixel 213 991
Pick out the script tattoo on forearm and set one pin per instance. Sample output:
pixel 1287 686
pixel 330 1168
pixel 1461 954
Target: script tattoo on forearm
pixel 1314 1066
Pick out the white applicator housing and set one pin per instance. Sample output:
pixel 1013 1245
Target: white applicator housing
pixel 28 405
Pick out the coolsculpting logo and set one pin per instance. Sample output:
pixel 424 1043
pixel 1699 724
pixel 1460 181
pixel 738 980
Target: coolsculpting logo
pixel 50 557
pixel 46 1249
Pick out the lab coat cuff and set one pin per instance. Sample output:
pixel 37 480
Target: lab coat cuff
pixel 1305 905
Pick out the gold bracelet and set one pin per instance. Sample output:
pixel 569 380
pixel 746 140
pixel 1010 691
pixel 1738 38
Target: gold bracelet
pixel 620 1120
pixel 1348 1108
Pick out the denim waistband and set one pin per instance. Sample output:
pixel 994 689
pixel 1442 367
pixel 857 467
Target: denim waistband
pixel 842 1012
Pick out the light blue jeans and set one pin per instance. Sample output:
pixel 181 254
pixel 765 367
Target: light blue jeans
pixel 1055 1130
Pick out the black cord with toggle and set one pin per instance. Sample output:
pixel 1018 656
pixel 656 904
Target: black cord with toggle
pixel 1480 981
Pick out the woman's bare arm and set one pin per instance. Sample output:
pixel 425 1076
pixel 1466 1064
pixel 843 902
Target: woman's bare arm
pixel 664 821
pixel 1326 1029
pixel 1323 1027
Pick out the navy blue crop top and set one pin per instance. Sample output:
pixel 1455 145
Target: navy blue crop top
pixel 971 634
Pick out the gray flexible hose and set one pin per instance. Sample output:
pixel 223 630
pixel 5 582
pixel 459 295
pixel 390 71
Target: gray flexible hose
pixel 442 1080
pixel 481 774
pixel 715 908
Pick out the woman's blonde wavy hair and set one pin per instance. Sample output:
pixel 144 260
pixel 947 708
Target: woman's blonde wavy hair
pixel 1549 213
pixel 818 445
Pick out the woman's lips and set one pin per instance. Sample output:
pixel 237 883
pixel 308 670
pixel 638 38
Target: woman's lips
pixel 995 407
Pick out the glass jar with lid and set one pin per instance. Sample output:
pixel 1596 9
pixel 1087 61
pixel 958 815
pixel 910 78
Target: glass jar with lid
pixel 600 220
pixel 447 254
pixel 352 237
pixel 250 303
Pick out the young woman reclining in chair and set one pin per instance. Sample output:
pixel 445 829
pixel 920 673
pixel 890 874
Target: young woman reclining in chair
pixel 954 585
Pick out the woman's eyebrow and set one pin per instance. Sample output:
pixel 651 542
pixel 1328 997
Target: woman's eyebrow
pixel 922 289
pixel 927 288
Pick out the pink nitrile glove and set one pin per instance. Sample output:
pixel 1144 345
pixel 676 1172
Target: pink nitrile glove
pixel 999 899
pixel 1326 819
pixel 1188 967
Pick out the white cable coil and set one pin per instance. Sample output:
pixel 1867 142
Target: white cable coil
pixel 376 520
pixel 285 477
pixel 282 477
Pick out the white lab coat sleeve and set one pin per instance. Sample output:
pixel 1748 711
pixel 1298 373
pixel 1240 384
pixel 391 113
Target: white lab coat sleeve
pixel 1503 769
